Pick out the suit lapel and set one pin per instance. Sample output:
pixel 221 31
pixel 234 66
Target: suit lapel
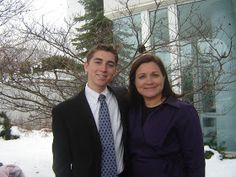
pixel 81 108
pixel 86 112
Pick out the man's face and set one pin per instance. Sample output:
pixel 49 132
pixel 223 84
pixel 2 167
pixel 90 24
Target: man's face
pixel 101 69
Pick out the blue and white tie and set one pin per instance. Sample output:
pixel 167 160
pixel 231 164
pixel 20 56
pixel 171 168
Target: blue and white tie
pixel 108 164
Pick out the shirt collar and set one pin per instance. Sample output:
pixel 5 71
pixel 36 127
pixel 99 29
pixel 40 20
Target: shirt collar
pixel 94 95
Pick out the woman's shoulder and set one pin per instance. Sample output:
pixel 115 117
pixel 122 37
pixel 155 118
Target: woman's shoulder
pixel 183 103
pixel 178 102
pixel 183 107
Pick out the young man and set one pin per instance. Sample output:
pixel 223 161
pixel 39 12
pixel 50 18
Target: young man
pixel 77 146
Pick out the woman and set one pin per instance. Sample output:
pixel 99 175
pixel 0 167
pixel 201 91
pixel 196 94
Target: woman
pixel 165 138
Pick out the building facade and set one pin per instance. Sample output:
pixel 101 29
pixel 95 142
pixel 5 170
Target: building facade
pixel 196 39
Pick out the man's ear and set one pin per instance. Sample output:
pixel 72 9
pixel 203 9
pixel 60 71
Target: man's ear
pixel 85 66
pixel 115 74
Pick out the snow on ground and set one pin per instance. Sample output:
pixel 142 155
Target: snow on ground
pixel 33 154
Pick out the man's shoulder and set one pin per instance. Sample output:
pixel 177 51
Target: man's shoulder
pixel 73 100
pixel 118 90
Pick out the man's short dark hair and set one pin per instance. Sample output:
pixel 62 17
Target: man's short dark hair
pixel 103 47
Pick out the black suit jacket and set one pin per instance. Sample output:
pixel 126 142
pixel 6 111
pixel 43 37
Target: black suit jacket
pixel 76 143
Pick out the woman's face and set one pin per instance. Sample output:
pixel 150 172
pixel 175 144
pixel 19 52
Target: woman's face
pixel 149 81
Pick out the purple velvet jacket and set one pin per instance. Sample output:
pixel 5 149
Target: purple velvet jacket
pixel 169 143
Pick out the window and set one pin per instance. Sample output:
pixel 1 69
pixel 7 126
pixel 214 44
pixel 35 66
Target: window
pixel 127 31
pixel 159 28
pixel 197 58
pixel 209 122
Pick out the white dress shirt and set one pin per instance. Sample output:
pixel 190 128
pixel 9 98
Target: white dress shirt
pixel 117 129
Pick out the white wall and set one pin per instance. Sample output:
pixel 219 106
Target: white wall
pixel 116 8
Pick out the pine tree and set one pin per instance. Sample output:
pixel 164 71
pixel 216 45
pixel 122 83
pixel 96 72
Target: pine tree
pixel 96 28
pixel 6 125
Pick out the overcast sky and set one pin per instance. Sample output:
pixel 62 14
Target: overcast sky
pixel 52 11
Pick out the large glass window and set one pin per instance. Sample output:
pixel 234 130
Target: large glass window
pixel 159 29
pixel 127 32
pixel 207 50
pixel 193 20
pixel 197 67
pixel 209 122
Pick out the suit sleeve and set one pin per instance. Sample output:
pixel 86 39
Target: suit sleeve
pixel 61 145
pixel 191 141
